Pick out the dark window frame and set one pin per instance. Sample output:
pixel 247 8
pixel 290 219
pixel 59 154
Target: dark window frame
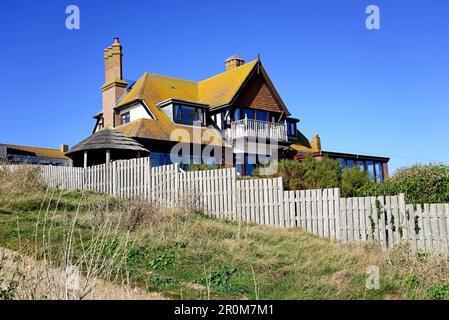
pixel 197 109
pixel 125 116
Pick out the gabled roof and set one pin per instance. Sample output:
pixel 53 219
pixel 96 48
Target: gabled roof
pixel 219 90
pixel 36 151
pixel 215 91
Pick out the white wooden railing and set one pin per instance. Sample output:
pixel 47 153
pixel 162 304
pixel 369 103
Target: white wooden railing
pixel 257 129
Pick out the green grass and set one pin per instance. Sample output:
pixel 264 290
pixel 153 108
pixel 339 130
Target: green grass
pixel 180 254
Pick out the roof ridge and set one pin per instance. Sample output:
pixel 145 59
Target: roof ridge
pixel 19 145
pixel 226 71
pixel 165 76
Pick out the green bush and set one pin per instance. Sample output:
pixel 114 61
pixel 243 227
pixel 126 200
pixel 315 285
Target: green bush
pixel 355 183
pixel 440 292
pixel 420 184
pixel 201 167
pixel 309 173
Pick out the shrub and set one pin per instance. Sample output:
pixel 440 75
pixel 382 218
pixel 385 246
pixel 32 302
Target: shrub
pixel 420 184
pixel 201 167
pixel 26 178
pixel 440 292
pixel 355 182
pixel 309 173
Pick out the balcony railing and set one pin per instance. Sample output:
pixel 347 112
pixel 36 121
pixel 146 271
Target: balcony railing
pixel 257 129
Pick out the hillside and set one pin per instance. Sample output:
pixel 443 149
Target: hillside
pixel 188 255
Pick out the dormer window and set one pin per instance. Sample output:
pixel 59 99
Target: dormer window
pixel 124 118
pixel 188 115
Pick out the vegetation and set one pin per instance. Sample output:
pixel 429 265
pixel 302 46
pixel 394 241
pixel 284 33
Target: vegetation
pixel 191 256
pixel 309 173
pixel 420 184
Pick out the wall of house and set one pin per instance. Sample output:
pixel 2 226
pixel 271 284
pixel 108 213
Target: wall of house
pixel 257 95
pixel 137 111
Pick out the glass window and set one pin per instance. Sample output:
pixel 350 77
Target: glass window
pixel 273 119
pixel 188 115
pixel 262 115
pixel 350 163
pixel 361 165
pixel 370 168
pixel 248 113
pixel 291 128
pixel 177 112
pixel 250 164
pixel 379 172
pixel 342 162
pixel 237 114
pixel 157 159
pixel 124 118
pixel 239 161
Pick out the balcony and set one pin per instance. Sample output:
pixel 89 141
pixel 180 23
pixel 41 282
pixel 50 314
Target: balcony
pixel 247 128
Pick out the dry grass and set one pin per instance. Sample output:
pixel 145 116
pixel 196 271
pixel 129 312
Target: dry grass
pixel 188 255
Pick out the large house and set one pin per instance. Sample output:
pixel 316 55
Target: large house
pixel 235 118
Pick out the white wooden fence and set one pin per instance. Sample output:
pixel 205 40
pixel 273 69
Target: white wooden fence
pixel 388 221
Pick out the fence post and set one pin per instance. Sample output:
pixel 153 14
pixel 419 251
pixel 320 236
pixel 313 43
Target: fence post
pixel 114 179
pixel 404 218
pixel 337 198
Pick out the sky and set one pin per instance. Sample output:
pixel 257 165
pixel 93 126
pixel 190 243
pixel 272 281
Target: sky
pixel 378 92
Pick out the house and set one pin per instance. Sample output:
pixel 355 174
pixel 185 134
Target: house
pixel 233 119
pixel 14 154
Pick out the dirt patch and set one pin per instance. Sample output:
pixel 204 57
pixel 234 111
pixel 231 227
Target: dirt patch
pixel 340 278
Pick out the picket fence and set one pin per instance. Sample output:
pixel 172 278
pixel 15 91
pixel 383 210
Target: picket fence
pixel 388 220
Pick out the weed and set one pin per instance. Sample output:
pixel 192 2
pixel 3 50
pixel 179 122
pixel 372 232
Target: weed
pixel 440 292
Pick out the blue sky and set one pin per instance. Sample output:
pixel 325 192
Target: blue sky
pixel 380 92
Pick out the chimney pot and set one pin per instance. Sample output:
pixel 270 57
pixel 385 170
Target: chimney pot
pixel 233 62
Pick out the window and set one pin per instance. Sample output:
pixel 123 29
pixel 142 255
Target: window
pixel 239 161
pixel 248 113
pixel 250 164
pixel 291 129
pixel 350 163
pixel 361 165
pixel 237 114
pixel 124 118
pixel 370 167
pixel 188 115
pixel 342 162
pixel 379 172
pixel 262 115
pixel 100 123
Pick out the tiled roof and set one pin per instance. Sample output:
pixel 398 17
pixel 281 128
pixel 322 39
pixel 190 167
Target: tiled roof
pixel 37 151
pixel 153 89
pixel 220 89
pixel 215 91
pixel 302 144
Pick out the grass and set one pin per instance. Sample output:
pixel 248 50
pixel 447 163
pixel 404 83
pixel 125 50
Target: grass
pixel 191 256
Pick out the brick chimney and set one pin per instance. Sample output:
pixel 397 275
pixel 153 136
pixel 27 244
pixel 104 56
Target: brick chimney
pixel 64 148
pixel 233 62
pixel 316 141
pixel 114 86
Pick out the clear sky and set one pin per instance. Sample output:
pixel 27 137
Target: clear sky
pixel 379 92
